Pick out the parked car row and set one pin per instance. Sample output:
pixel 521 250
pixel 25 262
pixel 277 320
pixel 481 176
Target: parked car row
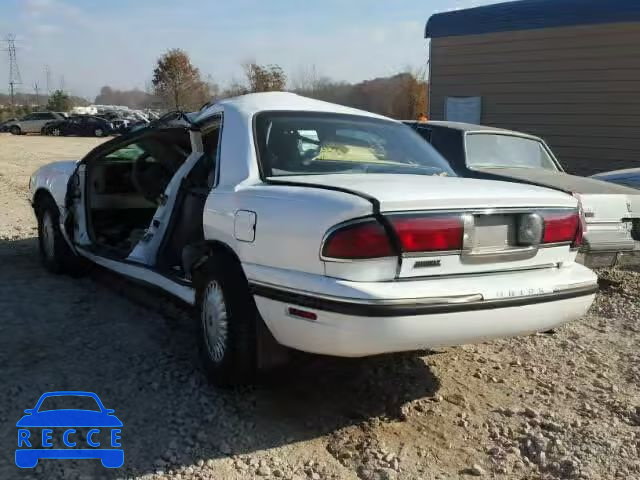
pixel 61 124
pixel 290 223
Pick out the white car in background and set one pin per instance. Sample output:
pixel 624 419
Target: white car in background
pixel 612 212
pixel 290 221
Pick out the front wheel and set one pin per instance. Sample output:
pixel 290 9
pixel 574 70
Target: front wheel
pixel 227 319
pixel 55 253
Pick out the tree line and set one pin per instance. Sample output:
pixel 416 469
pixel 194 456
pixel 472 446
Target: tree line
pixel 178 85
pixel 57 101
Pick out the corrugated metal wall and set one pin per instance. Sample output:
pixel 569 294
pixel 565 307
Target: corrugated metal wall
pixel 577 87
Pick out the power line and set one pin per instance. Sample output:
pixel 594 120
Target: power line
pixel 14 70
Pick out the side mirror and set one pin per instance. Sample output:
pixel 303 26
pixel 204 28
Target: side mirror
pixel 29 411
pixel 109 411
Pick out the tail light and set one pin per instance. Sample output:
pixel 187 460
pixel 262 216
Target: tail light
pixel 366 239
pixel 563 227
pixel 415 233
pixel 428 233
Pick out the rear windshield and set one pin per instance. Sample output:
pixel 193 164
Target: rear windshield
pixel 492 150
pixel 305 143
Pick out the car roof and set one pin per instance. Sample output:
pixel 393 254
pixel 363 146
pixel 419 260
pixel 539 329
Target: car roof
pixel 613 173
pixel 470 127
pixel 250 104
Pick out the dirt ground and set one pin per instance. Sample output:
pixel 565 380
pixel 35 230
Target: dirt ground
pixel 563 405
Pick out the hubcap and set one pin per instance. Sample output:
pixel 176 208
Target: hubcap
pixel 48 235
pixel 56 132
pixel 98 132
pixel 214 321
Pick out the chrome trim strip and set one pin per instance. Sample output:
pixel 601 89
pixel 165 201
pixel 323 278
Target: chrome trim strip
pixel 469 229
pixel 478 274
pixel 448 300
pixel 413 309
pixel 442 253
pixel 500 255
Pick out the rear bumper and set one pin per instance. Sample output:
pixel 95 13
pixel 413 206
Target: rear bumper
pixel 609 244
pixel 447 311
pixel 603 259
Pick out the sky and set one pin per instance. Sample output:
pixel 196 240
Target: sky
pixel 90 43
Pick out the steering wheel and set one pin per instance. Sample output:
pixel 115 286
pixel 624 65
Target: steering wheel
pixel 150 177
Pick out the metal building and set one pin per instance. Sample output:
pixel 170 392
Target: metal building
pixel 565 70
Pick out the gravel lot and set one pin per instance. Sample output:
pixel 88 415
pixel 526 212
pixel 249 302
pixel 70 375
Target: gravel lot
pixel 557 406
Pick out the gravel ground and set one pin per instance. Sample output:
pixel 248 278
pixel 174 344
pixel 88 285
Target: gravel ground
pixel 548 406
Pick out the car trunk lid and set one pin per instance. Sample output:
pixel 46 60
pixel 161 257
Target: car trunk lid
pixel 490 211
pixel 398 192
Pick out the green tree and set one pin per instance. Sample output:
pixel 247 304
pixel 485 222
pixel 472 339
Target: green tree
pixel 59 102
pixel 264 78
pixel 178 82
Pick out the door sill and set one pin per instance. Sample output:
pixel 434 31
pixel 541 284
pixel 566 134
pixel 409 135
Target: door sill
pixel 177 287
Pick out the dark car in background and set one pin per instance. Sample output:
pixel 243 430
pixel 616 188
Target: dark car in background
pixel 612 212
pixel 629 177
pixel 122 122
pixel 81 125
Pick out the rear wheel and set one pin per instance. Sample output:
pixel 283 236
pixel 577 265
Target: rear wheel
pixel 55 131
pixel 55 253
pixel 15 130
pixel 98 132
pixel 227 320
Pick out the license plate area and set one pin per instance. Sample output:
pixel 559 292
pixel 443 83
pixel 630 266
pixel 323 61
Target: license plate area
pixel 493 238
pixel 492 233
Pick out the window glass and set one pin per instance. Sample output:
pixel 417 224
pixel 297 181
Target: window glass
pixel 29 117
pixel 130 153
pixel 305 143
pixel 498 150
pixel 204 173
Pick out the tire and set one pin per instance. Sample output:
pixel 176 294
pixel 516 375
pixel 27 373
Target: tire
pixel 98 132
pixel 227 320
pixel 55 131
pixel 55 253
pixel 15 130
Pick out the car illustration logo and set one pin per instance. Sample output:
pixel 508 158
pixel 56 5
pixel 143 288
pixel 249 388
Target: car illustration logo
pixel 88 431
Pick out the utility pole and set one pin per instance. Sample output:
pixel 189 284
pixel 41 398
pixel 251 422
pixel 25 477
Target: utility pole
pixel 35 87
pixel 47 76
pixel 14 70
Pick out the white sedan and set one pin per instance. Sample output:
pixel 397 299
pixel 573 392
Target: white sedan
pixel 287 221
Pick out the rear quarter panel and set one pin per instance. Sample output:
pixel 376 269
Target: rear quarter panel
pixel 290 222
